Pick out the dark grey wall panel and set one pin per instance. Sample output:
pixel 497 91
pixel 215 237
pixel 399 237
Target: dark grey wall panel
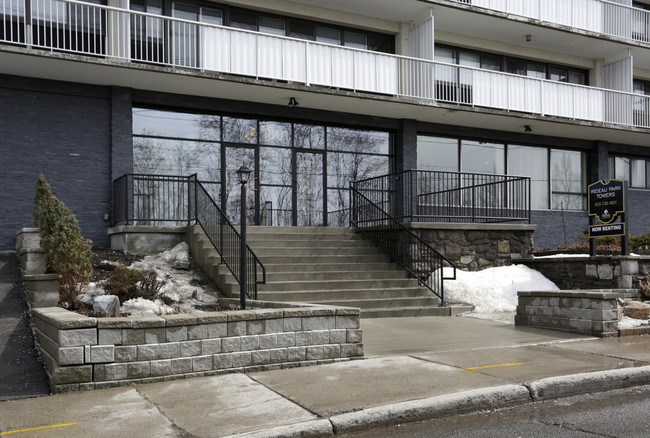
pixel 63 131
pixel 554 228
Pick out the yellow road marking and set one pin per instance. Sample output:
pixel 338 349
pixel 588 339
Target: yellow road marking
pixel 37 428
pixel 492 366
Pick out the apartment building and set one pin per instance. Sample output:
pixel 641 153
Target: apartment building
pixel 312 95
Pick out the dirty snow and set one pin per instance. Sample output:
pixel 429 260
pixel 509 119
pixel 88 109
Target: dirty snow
pixel 627 322
pixel 494 290
pixel 177 285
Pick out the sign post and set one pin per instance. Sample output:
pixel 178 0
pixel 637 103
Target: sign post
pixel 606 205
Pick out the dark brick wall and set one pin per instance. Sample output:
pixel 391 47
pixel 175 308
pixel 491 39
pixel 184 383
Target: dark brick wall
pixel 638 216
pixel 554 227
pixel 63 131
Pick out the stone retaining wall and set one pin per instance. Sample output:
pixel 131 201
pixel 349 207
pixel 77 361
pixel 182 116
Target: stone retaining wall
pixel 42 289
pixel 591 312
pixel 472 247
pixel 82 353
pixel 601 272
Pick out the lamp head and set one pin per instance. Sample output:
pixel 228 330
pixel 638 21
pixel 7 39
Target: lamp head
pixel 243 174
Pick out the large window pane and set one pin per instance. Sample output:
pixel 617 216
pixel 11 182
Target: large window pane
pixel 235 158
pixel 637 173
pixel 176 125
pixel 343 168
pixel 437 153
pixel 272 26
pixel 568 180
pixel 482 157
pixel 275 166
pixel 338 207
pixel 275 133
pixel 275 206
pixel 531 162
pixel 622 168
pixel 159 156
pixel 240 130
pixel 353 140
pixel 309 136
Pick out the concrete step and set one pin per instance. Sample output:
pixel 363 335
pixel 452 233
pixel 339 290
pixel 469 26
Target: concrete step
pixel 250 230
pixel 341 294
pixel 400 312
pixel 324 259
pixel 277 276
pixel 307 242
pixel 332 267
pixel 268 252
pixel 378 303
pixel 305 286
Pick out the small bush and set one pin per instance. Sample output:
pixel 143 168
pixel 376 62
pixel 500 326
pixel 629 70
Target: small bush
pixel 68 254
pixel 127 283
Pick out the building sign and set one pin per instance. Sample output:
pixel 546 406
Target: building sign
pixel 606 200
pixel 617 229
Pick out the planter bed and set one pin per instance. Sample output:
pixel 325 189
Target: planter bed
pixel 83 352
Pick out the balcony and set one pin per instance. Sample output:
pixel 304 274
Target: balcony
pixel 130 37
pixel 599 16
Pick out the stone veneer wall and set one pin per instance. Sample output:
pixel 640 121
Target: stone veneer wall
pixel 588 312
pixel 601 272
pixel 472 247
pixel 82 353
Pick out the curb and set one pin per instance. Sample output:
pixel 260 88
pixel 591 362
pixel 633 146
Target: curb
pixel 463 402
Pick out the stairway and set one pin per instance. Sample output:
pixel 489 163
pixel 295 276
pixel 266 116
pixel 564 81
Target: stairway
pixel 325 265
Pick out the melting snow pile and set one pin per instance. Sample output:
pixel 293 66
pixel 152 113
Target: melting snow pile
pixel 171 269
pixel 495 290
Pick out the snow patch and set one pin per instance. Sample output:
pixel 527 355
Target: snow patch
pixel 494 290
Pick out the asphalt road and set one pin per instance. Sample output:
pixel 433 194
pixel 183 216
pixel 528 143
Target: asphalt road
pixel 619 413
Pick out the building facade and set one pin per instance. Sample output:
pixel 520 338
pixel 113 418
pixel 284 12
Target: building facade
pixel 312 95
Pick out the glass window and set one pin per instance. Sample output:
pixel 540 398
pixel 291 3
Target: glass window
pixel 327 35
pixel 559 74
pixel 490 62
pixel 622 168
pixel 160 156
pixel 536 70
pixel 355 40
pixel 243 19
pixel 308 136
pixel 212 16
pixel 343 168
pixel 469 59
pixel 275 206
pixel 304 31
pixel 568 180
pixel 240 130
pixel 637 173
pixel 270 25
pixel 531 162
pixel 380 43
pixel 275 133
pixel 354 140
pixel 176 125
pixel 443 54
pixel 275 166
pixel 482 157
pixel 578 78
pixel 437 153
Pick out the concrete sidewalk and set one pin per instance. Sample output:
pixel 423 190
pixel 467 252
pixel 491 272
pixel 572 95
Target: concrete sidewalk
pixel 417 368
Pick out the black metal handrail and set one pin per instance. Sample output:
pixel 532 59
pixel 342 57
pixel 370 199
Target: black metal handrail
pixel 440 196
pixel 405 247
pixel 179 200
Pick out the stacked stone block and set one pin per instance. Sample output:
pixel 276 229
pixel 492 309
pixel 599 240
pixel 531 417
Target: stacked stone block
pixel 42 289
pixel 86 353
pixel 588 312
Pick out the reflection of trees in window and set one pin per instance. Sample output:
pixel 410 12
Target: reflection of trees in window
pixel 308 136
pixel 309 188
pixel 352 165
pixel 235 158
pixel 567 180
pixel 237 130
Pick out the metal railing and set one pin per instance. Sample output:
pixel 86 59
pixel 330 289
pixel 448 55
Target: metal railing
pixel 406 248
pixel 78 27
pixel 600 16
pixel 179 200
pixel 437 196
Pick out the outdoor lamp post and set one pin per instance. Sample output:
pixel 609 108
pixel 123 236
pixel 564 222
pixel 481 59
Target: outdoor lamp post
pixel 243 174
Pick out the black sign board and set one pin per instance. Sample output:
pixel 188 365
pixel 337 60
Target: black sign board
pixel 617 229
pixel 606 200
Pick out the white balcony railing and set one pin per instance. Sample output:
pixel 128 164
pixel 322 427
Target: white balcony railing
pixel 600 16
pixel 72 26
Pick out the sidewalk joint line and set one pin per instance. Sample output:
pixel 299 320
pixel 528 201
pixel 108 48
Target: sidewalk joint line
pixel 492 366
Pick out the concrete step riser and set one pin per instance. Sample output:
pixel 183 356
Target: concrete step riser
pixel 312 243
pixel 335 295
pixel 266 253
pixel 272 277
pixel 329 259
pixel 337 285
pixel 404 312
pixel 328 267
pixel 387 303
